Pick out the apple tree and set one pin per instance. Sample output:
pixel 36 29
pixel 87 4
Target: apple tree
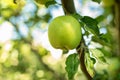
pixel 91 28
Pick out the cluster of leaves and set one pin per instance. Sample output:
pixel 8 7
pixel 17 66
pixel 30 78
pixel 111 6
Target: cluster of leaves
pixel 92 26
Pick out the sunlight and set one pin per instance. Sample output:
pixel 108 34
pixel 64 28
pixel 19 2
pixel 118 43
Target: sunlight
pixel 6 32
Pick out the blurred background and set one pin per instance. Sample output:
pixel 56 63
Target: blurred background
pixel 26 54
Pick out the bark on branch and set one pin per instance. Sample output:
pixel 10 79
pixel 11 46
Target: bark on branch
pixel 81 52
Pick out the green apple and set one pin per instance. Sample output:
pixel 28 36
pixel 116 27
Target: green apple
pixel 64 32
pixel 42 1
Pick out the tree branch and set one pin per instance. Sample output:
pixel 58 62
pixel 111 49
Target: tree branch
pixel 81 51
pixel 68 6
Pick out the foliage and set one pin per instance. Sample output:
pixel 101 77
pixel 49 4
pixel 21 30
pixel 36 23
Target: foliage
pixel 26 55
pixel 98 1
pixel 72 63
pixel 91 24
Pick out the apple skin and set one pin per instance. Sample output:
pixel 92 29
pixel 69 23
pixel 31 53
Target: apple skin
pixel 42 1
pixel 64 32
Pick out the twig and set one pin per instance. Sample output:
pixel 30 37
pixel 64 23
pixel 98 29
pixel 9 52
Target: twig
pixel 81 52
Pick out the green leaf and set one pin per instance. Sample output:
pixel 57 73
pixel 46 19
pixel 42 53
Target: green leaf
pixel 98 55
pixel 98 1
pixel 101 76
pixel 105 51
pixel 102 42
pixel 81 24
pixel 100 18
pixel 91 25
pixel 72 64
pixel 77 16
pixel 93 60
pixel 90 61
pixel 102 59
pixel 47 4
pixel 106 37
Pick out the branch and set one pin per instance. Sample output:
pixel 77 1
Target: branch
pixel 68 6
pixel 81 51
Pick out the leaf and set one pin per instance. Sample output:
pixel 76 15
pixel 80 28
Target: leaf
pixel 47 4
pixel 98 1
pixel 101 76
pixel 100 18
pixel 102 42
pixel 102 59
pixel 107 53
pixel 90 61
pixel 91 25
pixel 93 60
pixel 106 37
pixel 72 64
pixel 77 16
pixel 98 55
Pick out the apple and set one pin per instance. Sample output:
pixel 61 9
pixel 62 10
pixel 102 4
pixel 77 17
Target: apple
pixel 64 32
pixel 42 1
